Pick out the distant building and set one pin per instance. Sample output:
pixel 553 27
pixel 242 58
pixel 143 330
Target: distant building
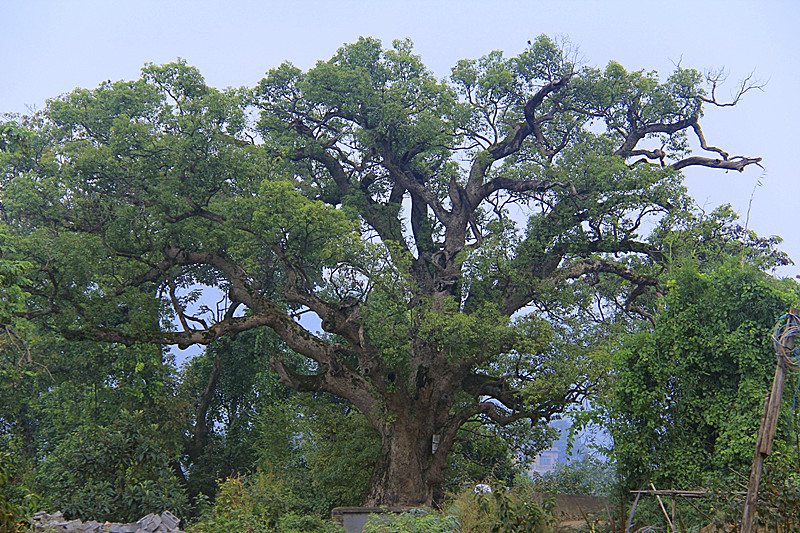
pixel 544 462
pixel 556 454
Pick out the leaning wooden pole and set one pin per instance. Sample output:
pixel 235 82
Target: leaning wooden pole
pixel 769 421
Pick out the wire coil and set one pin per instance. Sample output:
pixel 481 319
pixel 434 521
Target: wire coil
pixel 787 327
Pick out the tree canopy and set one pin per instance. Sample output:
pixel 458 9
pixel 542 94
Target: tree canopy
pixel 466 245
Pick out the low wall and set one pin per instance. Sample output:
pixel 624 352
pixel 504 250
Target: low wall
pixel 166 522
pixel 568 506
pixel 355 518
pixel 573 505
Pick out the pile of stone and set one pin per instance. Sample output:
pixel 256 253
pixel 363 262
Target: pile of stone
pixel 166 522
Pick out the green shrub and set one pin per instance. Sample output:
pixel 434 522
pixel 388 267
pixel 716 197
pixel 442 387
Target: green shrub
pixel 513 512
pixel 259 503
pixel 119 473
pixel 465 507
pixel 585 476
pixel 294 523
pixel 412 522
pixel 11 517
pixel 501 511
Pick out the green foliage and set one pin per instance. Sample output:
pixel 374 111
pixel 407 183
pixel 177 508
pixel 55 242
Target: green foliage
pixel 14 510
pixel 502 511
pixel 481 453
pixel 713 239
pixel 14 138
pixel 515 513
pixel 117 472
pixel 465 505
pixel 688 395
pixel 779 492
pixel 249 504
pixel 258 503
pixel 587 475
pixel 778 504
pixel 12 278
pixel 412 522
pixel 339 448
pixel 245 421
pixel 317 445
pixel 369 193
pixel 60 405
pixel 777 507
pixel 484 452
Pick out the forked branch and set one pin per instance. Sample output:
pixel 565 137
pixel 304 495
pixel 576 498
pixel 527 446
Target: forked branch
pixel 716 77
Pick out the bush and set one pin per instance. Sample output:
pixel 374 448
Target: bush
pixel 465 507
pixel 118 473
pixel 259 503
pixel 778 505
pixel 12 517
pixel 585 476
pixel 412 522
pixel 294 523
pixel 513 512
pixel 501 511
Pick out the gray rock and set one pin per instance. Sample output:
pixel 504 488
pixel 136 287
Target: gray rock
pixel 170 521
pixel 166 522
pixel 149 522
pixel 124 528
pixel 73 526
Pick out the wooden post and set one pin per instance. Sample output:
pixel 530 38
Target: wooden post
pixel 629 525
pixel 766 434
pixel 674 522
pixel 663 509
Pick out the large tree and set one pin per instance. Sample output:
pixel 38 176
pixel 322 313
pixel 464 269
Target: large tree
pixel 384 202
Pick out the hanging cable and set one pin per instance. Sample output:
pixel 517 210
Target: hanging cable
pixel 781 335
pixel 785 330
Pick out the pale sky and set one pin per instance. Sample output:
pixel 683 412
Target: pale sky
pixel 48 47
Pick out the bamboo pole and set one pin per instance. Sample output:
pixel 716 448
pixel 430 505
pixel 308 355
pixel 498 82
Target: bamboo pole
pixel 629 525
pixel 766 434
pixel 663 509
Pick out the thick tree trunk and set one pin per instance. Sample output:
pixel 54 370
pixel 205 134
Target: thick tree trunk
pixel 409 471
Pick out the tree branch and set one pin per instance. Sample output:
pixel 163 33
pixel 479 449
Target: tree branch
pixel 737 163
pixel 298 382
pixel 590 266
pixel 511 143
pixel 491 411
pixel 525 186
pixel 633 138
pixel 716 77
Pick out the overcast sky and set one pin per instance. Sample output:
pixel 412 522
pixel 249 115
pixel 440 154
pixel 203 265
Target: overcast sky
pixel 50 47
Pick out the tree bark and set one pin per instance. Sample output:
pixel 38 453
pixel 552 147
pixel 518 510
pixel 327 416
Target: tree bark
pixel 409 473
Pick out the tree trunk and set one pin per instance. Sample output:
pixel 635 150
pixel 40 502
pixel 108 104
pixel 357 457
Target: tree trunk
pixel 409 472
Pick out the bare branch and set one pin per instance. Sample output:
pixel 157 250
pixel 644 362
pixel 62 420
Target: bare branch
pixel 633 138
pixel 704 145
pixel 717 77
pixel 737 163
pixel 649 154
